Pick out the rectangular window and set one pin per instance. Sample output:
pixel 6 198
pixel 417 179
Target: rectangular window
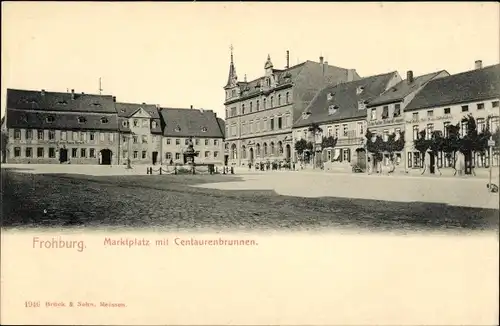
pixel 337 128
pixel 101 136
pixel 495 104
pixel 134 139
pixel 83 152
pixel 177 156
pixel 168 141
pixel 465 108
pixel 144 154
pixel 136 154
pixel 92 152
pixel 430 113
pixel 494 123
pixel 481 124
pixel 136 123
pixel 29 152
pixel 463 128
pixel 124 139
pixel 168 156
pixel 40 134
pixel 64 135
pixel 445 128
pixel 415 116
pixel 52 152
pixel 447 110
pixel 361 129
pixel 17 134
pixel 92 136
pixel 416 160
pixel 144 139
pixel 480 106
pixel 280 123
pixel 385 135
pixel 145 123
pixel 430 129
pixel 186 141
pixel 344 129
pixel 373 114
pixel 397 110
pixel 29 134
pixel 271 124
pixel 216 142
pixel 39 152
pixel 75 135
pixel 111 137
pixel 74 152
pixel 177 141
pixel 17 151
pixel 415 132
pixel 216 154
pixel 196 141
pixel 385 112
pixel 207 154
pixel 52 135
pixel 207 141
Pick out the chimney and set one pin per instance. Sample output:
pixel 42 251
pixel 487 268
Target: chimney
pixel 287 59
pixel 321 59
pixel 114 98
pixel 326 63
pixel 43 92
pixel 409 76
pixel 191 107
pixel 479 64
pixel 72 94
pixel 350 75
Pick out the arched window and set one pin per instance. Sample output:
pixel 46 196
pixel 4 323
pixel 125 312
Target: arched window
pixel 265 149
pixel 280 148
pixel 272 148
pixel 251 107
pixel 265 104
pixel 258 149
pixel 243 152
pixel 279 99
pixel 243 109
pixel 257 105
pixel 234 155
pixel 287 98
pixel 272 102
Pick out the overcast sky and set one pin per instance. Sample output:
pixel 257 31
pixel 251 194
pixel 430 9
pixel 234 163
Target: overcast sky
pixel 177 54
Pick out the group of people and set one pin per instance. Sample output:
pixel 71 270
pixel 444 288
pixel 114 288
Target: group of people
pixel 276 165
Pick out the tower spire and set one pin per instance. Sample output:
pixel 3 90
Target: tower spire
pixel 100 86
pixel 232 78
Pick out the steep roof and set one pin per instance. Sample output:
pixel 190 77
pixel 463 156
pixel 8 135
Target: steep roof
pixel 190 123
pixel 222 126
pixel 403 89
pixel 345 98
pixel 60 120
pixel 128 109
pixel 58 101
pixel 474 85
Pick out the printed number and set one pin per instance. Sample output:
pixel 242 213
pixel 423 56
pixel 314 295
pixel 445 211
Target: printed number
pixel 32 304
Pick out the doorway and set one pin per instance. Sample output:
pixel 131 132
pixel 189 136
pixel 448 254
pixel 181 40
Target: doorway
pixel 288 152
pixel 432 163
pixel 361 162
pixel 251 154
pixel 63 155
pixel 106 155
pixel 155 157
pixel 226 159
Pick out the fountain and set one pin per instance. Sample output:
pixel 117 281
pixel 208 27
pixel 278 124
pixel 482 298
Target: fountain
pixel 190 154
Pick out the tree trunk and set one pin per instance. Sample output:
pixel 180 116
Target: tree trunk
pixel 424 166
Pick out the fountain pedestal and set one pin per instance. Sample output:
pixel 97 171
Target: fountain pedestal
pixel 190 154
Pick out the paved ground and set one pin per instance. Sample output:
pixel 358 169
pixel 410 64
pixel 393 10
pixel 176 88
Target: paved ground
pixel 171 202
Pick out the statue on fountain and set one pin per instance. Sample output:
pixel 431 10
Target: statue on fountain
pixel 190 153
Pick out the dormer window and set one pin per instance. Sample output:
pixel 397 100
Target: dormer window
pixel 63 102
pixel 82 119
pixel 362 105
pixel 329 96
pixel 359 90
pixel 50 119
pixel 96 104
pixel 204 129
pixel 125 123
pixel 104 120
pixel 177 129
pixel 305 115
pixel 153 124
pixel 332 109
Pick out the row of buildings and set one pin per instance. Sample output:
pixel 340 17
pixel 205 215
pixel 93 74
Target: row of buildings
pixel 267 116
pixel 79 128
pixel 264 118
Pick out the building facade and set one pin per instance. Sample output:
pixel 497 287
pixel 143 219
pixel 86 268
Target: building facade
pixel 260 113
pixel 447 101
pixel 385 114
pixel 340 112
pixel 203 127
pixel 52 127
pixel 140 133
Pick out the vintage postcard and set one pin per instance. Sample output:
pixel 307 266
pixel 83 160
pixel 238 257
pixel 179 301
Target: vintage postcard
pixel 250 163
